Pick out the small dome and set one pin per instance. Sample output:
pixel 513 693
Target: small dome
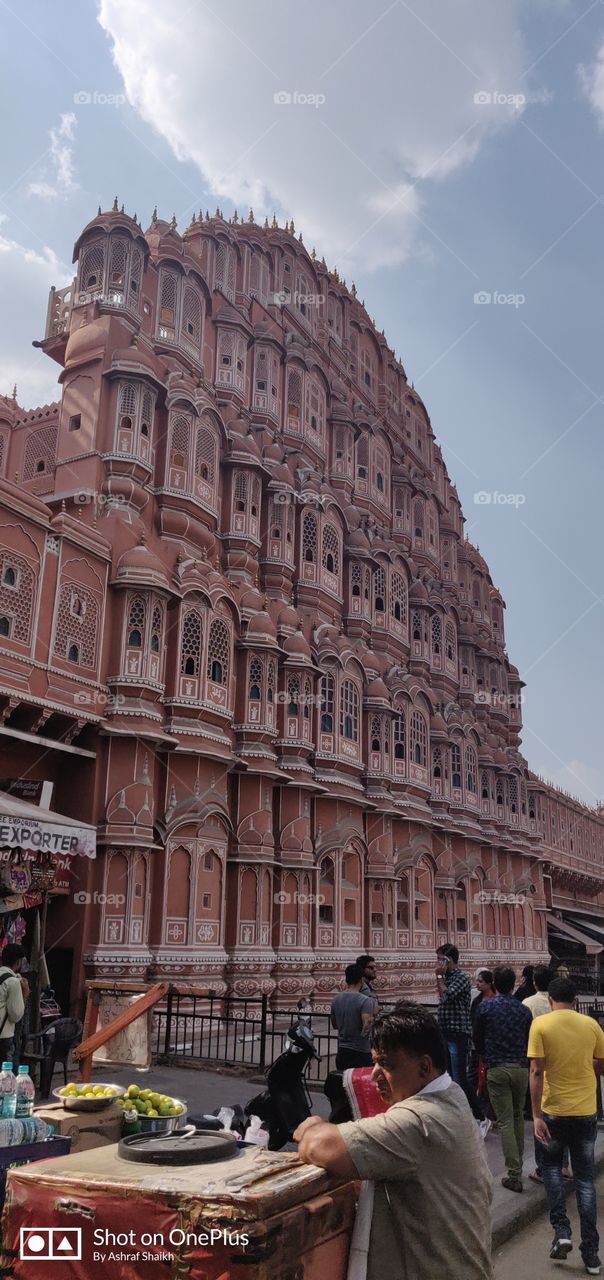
pixel 134 355
pixel 252 600
pixel 261 627
pixel 288 619
pixel 418 593
pixel 377 689
pixel 297 646
pixel 438 726
pixel 88 338
pixel 141 566
pixel 359 541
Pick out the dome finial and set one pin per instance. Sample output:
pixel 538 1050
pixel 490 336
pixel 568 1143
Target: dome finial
pixel 250 216
pixel 115 208
pixel 274 224
pixel 235 218
pixel 173 223
pixel 154 215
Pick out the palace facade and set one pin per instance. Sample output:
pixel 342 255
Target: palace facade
pixel 243 633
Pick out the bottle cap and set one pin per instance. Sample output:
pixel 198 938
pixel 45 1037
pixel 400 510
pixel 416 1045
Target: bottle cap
pixel 7 1066
pixel 24 1069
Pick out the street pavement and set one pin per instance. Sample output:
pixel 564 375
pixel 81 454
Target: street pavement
pixel 526 1255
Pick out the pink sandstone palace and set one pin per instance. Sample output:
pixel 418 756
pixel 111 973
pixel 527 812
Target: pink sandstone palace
pixel 244 635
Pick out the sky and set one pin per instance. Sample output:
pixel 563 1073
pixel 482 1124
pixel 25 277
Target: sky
pixel 447 155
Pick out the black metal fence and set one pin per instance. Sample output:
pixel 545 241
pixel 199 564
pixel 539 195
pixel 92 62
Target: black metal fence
pixel 236 1031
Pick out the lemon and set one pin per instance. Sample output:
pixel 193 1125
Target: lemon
pixel 153 1112
pixel 133 1091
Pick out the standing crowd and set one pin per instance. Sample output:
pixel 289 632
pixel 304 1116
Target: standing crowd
pixel 510 1053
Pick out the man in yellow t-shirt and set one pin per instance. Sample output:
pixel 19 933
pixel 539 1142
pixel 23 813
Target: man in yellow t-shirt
pixel 566 1049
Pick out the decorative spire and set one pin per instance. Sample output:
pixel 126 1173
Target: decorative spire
pixel 16 477
pixel 274 223
pixel 265 224
pixel 173 223
pixel 300 238
pixel 292 229
pixel 115 209
pixel 134 218
pixel 314 254
pixel 235 218
pixel 154 216
pixel 207 215
pixel 250 216
pixel 122 209
pixel 79 513
pixel 98 212
pixel 15 393
pixel 63 507
pixel 217 214
pixel 353 289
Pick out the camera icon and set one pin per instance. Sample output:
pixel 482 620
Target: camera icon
pixel 482 298
pixel 82 899
pixel 483 99
pixel 282 98
pixel 83 698
pixel 282 898
pixel 82 499
pixel 82 99
pixel 483 498
pixel 280 299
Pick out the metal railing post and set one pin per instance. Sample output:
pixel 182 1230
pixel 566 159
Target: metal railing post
pixel 168 1034
pixel 263 1029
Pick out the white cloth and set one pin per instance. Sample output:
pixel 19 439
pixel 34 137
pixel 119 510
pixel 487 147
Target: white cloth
pixel 359 1245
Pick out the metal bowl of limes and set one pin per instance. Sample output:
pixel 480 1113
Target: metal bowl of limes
pixel 157 1113
pixel 95 1098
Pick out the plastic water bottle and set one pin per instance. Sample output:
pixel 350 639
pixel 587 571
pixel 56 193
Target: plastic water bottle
pixel 8 1091
pixel 25 1094
pixel 255 1132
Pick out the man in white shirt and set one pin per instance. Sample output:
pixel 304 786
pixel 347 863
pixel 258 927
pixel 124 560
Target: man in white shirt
pixel 539 1002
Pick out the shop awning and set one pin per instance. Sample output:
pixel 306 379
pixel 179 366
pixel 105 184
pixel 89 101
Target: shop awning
pixel 26 826
pixel 590 925
pixel 564 929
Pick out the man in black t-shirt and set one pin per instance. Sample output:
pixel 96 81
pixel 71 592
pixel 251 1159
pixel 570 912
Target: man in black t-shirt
pixel 352 1015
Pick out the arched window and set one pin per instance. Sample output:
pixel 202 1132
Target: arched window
pixel 418 519
pixel 219 645
pixel 455 765
pixel 417 625
pixel 136 623
pixel 331 549
pixel 205 454
pixel 327 881
pixel 73 654
pixel 451 642
pixel 293 695
pixel 224 270
pixel 294 400
pixel 9 577
pixel 255 680
pixel 400 736
pixel 191 320
pixel 379 590
pixel 309 538
pixel 362 463
pixel 156 629
pixel 92 265
pixel 192 642
pixel 436 634
pixel 169 288
pixel 418 739
pixel 398 598
pixel 4 626
pixel 349 711
pixel 471 769
pixel 327 703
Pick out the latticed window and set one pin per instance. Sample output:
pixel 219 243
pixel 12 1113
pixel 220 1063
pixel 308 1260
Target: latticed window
pixel 471 769
pixel 451 642
pixel 224 272
pixel 418 739
pixel 328 693
pixel 294 394
pixel 256 681
pixel 271 675
pixel 315 409
pixel 191 322
pixel 416 624
pixel 331 549
pixel 485 790
pixel 241 490
pixel 77 628
pixel 356 580
pixel 136 623
pixel 136 272
pixel 128 405
pixel 118 257
pixel 259 276
pixel 379 590
pixel 205 454
pixel 376 733
pixel 147 413
pixel 418 518
pixel 309 538
pixel 191 644
pixel 455 765
pixel 92 266
pixel 400 736
pixel 168 301
pixel 219 648
pixel 398 598
pixel 16 605
pixel 40 452
pixel 513 793
pixel 349 711
pixel 436 633
pixel 362 458
pixel 156 629
pixel 180 440
pixel 437 764
pixel 293 695
pixel 307 698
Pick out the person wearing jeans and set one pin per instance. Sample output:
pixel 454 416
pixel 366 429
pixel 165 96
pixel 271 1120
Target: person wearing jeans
pixel 501 1034
pixel 564 1047
pixel 455 997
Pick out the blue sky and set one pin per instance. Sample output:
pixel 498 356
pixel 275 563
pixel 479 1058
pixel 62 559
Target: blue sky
pixel 392 164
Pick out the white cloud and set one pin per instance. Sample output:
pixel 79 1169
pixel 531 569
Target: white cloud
pixel 592 80
pixel 398 88
pixel 61 156
pixel 25 278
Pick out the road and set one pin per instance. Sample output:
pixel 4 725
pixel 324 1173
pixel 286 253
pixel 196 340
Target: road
pixel 526 1255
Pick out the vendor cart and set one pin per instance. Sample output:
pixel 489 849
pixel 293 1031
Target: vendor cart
pixel 255 1215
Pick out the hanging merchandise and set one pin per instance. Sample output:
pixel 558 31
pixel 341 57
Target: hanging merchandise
pixel 16 930
pixel 15 877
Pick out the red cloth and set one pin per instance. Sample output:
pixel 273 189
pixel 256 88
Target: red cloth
pixel 362 1093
